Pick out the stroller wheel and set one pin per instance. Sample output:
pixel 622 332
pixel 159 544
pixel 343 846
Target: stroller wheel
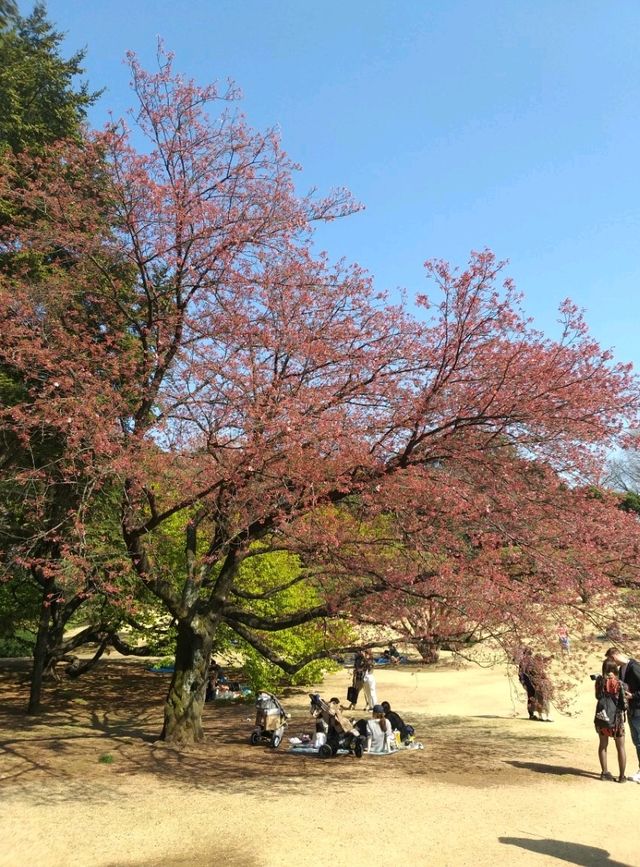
pixel 275 740
pixel 325 751
pixel 357 750
pixel 254 740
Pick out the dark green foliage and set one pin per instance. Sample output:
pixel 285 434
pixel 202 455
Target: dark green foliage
pixel 38 101
pixel 8 13
pixel 19 604
pixel 630 502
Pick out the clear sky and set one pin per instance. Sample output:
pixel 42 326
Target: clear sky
pixel 460 124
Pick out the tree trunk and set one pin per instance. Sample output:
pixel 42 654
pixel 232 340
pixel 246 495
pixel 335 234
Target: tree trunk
pixel 428 650
pixel 40 651
pixel 183 708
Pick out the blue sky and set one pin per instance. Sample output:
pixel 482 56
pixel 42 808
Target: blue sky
pixel 460 124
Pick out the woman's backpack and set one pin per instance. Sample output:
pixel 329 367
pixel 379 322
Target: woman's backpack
pixel 610 702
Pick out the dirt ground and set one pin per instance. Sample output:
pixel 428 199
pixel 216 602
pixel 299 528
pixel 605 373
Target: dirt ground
pixel 489 788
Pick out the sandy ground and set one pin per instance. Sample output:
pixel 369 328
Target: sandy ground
pixel 490 787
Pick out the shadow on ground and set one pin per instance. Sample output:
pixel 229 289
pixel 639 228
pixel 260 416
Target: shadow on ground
pixel 556 770
pixel 229 855
pixel 98 731
pixel 571 853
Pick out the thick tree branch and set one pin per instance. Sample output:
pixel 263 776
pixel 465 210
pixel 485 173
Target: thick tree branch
pixel 293 667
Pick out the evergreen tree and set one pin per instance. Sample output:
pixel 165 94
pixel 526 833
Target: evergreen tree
pixel 8 12
pixel 39 102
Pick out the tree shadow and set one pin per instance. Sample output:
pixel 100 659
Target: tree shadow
pixel 572 853
pixel 100 729
pixel 106 724
pixel 557 770
pixel 490 716
pixel 232 856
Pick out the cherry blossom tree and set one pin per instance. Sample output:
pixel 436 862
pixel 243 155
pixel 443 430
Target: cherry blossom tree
pixel 199 356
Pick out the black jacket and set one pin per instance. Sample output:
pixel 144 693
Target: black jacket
pixel 397 723
pixel 631 676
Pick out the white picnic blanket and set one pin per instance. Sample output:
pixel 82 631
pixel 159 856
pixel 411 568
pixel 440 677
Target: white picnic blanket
pixel 308 750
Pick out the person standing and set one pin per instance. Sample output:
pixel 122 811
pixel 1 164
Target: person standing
pixel 357 682
pixel 543 688
pixel 369 683
pixel 610 717
pixel 564 640
pixel 215 678
pixel 630 677
pixel 524 676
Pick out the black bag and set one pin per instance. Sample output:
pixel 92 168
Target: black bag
pixel 607 707
pixel 352 695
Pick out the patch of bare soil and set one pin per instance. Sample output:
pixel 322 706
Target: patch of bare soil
pixel 85 783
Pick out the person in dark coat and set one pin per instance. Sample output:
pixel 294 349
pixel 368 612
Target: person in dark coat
pixel 397 723
pixel 525 671
pixel 360 665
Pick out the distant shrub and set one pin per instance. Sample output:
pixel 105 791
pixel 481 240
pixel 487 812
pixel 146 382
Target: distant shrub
pixel 18 644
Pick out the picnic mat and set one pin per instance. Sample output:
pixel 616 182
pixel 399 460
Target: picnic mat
pixel 306 750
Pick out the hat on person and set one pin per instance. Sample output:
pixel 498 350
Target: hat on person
pixel 377 708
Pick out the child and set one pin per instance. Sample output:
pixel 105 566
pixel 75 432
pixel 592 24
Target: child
pixel 610 718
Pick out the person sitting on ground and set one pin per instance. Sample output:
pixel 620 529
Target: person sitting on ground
pixel 379 732
pixel 391 654
pixel 340 721
pixel 397 723
pixel 361 726
pixel 610 718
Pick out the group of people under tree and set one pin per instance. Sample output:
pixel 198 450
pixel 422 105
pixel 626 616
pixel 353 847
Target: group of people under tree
pixel 617 692
pixel 379 731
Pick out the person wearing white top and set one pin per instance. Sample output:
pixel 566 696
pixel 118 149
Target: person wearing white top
pixel 369 689
pixel 379 732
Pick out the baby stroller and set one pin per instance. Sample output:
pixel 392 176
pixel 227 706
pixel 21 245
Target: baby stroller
pixel 340 732
pixel 271 720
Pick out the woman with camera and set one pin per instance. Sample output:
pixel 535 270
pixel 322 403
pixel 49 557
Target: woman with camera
pixel 630 677
pixel 610 718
